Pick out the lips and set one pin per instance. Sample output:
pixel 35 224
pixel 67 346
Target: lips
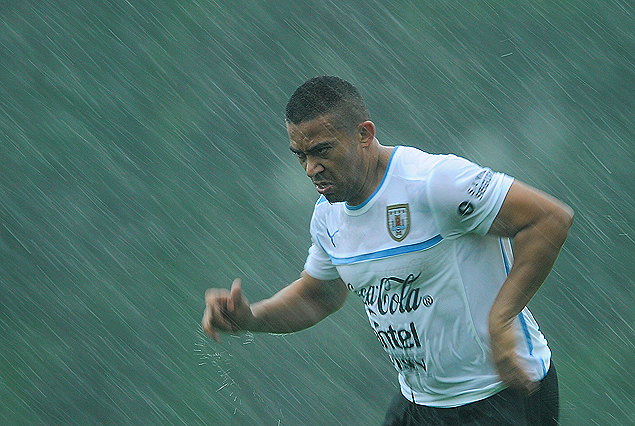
pixel 323 186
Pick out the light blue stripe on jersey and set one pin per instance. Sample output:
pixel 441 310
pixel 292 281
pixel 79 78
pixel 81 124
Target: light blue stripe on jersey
pixel 423 245
pixel 505 260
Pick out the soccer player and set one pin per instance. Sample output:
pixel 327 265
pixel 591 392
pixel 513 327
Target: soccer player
pixel 426 242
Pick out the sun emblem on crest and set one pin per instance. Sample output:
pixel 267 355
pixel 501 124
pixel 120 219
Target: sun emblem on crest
pixel 398 221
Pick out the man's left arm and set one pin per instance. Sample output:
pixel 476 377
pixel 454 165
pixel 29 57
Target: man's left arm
pixel 539 225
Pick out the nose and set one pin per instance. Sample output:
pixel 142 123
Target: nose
pixel 313 167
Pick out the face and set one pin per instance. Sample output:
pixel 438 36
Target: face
pixel 333 159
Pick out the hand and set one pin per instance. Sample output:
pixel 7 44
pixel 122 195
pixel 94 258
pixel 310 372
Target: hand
pixel 503 344
pixel 226 310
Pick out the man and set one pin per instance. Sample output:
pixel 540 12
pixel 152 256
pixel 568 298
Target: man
pixel 424 240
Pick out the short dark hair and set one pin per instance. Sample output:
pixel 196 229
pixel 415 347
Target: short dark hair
pixel 330 95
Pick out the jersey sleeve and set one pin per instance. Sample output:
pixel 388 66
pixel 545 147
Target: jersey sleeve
pixel 465 197
pixel 318 263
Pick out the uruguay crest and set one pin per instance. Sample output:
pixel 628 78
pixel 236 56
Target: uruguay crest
pixel 398 221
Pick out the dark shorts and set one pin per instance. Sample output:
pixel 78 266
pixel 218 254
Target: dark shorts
pixel 506 408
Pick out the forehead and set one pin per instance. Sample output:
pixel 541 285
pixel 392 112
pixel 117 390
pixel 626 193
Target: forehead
pixel 314 131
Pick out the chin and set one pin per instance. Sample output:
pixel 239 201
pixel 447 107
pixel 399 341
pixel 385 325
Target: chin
pixel 333 198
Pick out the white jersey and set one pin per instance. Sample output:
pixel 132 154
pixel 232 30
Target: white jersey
pixel 417 254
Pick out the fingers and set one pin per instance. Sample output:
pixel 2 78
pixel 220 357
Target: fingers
pixel 514 376
pixel 235 295
pixel 222 308
pixel 206 323
pixel 505 358
pixel 214 316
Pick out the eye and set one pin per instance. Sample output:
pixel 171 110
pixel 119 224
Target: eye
pixel 322 150
pixel 301 156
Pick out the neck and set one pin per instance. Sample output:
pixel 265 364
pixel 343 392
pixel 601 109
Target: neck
pixel 378 163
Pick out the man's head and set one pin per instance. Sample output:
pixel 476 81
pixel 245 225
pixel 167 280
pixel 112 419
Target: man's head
pixel 333 138
pixel 327 95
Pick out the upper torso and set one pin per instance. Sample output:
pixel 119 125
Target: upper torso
pixel 417 254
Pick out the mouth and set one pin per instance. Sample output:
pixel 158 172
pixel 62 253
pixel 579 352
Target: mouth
pixel 323 187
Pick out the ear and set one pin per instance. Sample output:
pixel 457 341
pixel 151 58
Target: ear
pixel 366 132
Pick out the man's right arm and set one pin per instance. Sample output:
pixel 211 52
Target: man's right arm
pixel 300 305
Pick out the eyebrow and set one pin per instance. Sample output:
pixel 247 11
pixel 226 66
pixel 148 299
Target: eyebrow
pixel 315 148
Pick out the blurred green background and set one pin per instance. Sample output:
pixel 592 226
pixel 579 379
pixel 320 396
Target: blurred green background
pixel 144 159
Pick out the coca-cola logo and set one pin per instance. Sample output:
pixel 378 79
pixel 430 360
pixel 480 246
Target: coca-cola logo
pixel 394 294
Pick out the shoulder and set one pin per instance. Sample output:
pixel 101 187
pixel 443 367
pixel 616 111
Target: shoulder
pixel 452 172
pixel 415 163
pixel 322 206
pixel 321 201
pixel 322 211
pixel 464 196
